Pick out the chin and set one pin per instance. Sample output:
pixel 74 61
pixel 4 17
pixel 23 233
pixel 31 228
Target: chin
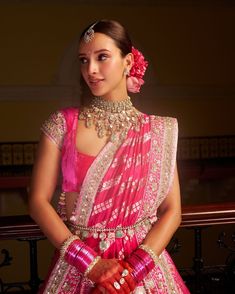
pixel 98 93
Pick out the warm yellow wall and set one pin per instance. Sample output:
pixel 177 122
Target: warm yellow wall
pixel 187 44
pixel 202 117
pixel 22 120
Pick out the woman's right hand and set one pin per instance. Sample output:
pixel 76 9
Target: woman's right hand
pixel 108 271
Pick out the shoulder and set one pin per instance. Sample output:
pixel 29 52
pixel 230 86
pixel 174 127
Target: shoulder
pixel 69 111
pixel 55 126
pixel 59 117
pixel 163 121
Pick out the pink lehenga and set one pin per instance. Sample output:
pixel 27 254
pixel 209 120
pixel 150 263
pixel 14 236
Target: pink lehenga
pixel 118 193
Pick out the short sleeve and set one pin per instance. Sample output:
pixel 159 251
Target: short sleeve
pixel 55 128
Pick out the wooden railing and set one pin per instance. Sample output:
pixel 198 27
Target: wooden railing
pixel 22 227
pixel 208 214
pixel 195 217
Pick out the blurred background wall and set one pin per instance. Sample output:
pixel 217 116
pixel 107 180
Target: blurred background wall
pixel 189 44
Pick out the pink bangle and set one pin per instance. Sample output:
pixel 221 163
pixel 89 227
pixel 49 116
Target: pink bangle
pixel 142 263
pixel 78 254
pixel 66 244
pixel 153 255
pixel 146 258
pixel 139 270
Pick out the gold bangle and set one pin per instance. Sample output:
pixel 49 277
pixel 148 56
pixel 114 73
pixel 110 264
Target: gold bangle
pixel 66 244
pixel 91 265
pixel 152 254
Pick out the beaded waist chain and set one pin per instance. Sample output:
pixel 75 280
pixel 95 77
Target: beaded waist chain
pixel 107 235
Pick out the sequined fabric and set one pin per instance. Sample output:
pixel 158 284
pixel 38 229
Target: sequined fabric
pixel 125 183
pixel 55 128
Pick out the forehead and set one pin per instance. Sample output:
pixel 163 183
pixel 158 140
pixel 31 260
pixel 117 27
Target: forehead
pixel 100 41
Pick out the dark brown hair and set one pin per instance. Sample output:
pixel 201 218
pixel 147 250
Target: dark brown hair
pixel 120 36
pixel 115 31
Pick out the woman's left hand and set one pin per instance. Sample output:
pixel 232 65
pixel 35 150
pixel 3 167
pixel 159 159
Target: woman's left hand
pixel 112 276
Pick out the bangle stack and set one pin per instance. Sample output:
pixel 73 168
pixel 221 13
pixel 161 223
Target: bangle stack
pixel 66 244
pixel 150 252
pixel 143 260
pixel 79 255
pixel 92 264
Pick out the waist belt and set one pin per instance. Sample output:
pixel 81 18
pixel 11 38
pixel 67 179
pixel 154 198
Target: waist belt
pixel 107 235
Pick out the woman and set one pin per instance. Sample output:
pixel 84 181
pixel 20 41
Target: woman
pixel 120 203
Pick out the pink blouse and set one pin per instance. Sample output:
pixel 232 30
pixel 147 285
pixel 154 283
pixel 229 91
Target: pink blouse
pixel 84 161
pixel 61 128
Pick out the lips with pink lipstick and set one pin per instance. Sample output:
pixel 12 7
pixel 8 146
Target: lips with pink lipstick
pixel 95 82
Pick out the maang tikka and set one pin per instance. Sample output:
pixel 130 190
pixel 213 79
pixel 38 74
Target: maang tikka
pixel 89 34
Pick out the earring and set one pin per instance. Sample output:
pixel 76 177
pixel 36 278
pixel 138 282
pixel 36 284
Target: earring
pixel 126 72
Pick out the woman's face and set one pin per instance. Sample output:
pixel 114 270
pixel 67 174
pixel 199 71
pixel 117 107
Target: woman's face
pixel 102 67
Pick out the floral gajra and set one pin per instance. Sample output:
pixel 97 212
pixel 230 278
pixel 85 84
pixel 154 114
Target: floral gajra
pixel 134 79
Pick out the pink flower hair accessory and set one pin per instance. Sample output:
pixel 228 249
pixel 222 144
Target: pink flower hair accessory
pixel 134 79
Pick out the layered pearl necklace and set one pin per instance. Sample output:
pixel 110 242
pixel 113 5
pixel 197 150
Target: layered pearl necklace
pixel 110 118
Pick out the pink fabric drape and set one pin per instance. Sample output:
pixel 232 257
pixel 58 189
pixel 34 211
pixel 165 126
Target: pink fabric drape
pixel 124 184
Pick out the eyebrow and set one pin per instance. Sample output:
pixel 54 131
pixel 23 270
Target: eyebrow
pixel 97 51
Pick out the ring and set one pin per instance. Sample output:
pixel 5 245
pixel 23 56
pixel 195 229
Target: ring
pixel 116 285
pixel 125 273
pixel 122 281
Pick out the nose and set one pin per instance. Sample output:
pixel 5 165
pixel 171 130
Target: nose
pixel 92 67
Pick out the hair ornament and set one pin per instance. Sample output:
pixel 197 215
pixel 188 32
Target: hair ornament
pixel 89 34
pixel 134 80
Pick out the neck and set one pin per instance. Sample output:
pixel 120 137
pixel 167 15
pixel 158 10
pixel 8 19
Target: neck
pixel 113 106
pixel 115 97
pixel 112 100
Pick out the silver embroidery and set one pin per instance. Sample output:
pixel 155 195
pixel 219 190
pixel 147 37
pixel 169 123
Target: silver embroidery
pixel 91 183
pixel 102 206
pixel 168 157
pixel 55 128
pixel 163 155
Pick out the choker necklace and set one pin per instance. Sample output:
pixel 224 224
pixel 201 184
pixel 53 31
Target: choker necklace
pixel 112 119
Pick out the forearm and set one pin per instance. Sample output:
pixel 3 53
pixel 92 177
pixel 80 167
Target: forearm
pixel 169 219
pixel 145 257
pixel 49 221
pixel 162 231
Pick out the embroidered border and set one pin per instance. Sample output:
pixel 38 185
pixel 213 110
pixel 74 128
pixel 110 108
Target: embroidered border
pixel 168 157
pixel 65 279
pixel 151 189
pixel 57 277
pixel 162 158
pixel 165 268
pixel 93 179
pixel 55 128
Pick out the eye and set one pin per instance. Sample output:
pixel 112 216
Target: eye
pixel 102 57
pixel 83 60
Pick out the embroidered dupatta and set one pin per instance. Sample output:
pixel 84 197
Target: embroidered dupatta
pixel 126 183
